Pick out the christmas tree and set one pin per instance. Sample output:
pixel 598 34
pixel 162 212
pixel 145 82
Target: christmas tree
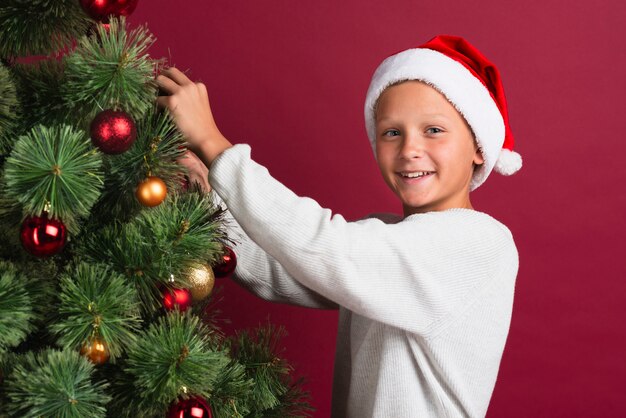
pixel 108 256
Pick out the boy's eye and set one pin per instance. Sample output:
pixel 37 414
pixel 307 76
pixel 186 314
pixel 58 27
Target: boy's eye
pixel 434 130
pixel 391 131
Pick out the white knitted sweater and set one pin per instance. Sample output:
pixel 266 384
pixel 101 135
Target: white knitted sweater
pixel 425 302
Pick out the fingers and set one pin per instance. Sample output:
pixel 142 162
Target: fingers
pixel 186 160
pixel 192 162
pixel 203 92
pixel 177 75
pixel 197 171
pixel 166 102
pixel 166 84
pixel 172 82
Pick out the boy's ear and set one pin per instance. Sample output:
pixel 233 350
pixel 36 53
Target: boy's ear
pixel 478 156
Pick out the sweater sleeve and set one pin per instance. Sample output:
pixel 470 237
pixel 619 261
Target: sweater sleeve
pixel 418 274
pixel 261 274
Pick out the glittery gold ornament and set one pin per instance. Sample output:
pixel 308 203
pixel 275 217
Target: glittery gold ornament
pixel 201 280
pixel 96 350
pixel 151 191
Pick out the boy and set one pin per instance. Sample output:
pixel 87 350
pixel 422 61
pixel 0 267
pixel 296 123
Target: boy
pixel 424 300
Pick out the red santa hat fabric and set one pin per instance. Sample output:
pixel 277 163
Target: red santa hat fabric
pixel 469 81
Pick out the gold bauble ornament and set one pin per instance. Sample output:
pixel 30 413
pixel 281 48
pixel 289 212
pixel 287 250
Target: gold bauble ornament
pixel 151 191
pixel 201 282
pixel 96 350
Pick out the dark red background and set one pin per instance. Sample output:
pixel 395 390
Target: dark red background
pixel 289 78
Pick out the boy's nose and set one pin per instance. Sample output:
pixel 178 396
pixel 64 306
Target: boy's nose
pixel 413 146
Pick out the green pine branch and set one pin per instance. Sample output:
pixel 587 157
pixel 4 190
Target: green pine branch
pixel 274 393
pixel 9 110
pixel 41 285
pixel 159 244
pixel 112 69
pixel 39 27
pixel 39 90
pixel 96 301
pixel 125 248
pixel 294 403
pixel 231 397
pixel 175 356
pixel 16 310
pixel 55 384
pixel 40 282
pixel 55 166
pixel 10 220
pixel 7 363
pixel 188 231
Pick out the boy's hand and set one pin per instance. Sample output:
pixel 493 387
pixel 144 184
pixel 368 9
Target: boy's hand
pixel 188 103
pixel 198 172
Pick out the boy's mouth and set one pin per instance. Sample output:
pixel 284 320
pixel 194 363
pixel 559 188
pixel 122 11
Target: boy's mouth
pixel 414 177
pixel 415 174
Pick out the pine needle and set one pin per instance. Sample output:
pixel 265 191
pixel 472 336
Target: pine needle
pixel 9 110
pixel 16 312
pixel 39 27
pixel 96 301
pixel 111 69
pixel 173 357
pixel 57 166
pixel 55 384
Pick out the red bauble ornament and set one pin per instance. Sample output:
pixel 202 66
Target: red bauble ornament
pixel 228 264
pixel 176 298
pixel 43 237
pixel 101 9
pixel 195 407
pixel 113 131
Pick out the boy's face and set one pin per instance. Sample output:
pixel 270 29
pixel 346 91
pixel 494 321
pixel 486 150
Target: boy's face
pixel 418 130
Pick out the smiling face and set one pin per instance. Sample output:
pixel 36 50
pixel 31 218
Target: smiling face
pixel 425 150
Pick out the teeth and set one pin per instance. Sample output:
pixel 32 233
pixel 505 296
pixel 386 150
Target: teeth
pixel 416 174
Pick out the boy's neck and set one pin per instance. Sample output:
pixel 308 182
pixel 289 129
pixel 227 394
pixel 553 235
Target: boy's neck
pixel 408 210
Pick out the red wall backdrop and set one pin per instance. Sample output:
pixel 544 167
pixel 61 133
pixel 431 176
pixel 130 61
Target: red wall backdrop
pixel 289 78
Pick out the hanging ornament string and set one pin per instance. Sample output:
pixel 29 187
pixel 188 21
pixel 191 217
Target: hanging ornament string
pixel 151 191
pixel 95 348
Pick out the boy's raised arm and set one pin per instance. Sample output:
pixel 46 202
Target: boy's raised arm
pixel 417 275
pixel 261 274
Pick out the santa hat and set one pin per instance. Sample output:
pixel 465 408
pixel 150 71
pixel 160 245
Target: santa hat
pixel 469 81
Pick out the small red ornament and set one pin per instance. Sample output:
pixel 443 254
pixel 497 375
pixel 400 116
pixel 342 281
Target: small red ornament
pixel 176 298
pixel 43 237
pixel 228 264
pixel 151 192
pixel 101 9
pixel 194 407
pixel 113 131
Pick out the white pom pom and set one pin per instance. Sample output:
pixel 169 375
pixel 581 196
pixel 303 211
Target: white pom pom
pixel 509 162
